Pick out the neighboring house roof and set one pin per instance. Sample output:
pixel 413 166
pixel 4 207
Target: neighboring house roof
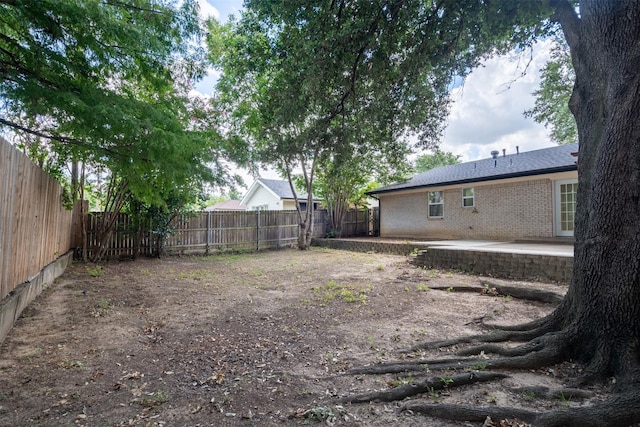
pixel 279 188
pixel 229 205
pixel 530 163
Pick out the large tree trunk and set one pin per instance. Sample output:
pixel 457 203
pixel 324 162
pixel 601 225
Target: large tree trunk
pixel 601 312
pixel 598 321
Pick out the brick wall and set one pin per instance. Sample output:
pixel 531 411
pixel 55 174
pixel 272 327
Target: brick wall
pixel 501 211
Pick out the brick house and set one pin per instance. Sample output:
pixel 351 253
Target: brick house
pixel 522 195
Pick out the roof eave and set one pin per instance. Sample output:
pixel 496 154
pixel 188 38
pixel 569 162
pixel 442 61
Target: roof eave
pixel 568 168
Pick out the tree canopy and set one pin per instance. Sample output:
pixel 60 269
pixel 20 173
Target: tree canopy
pixel 552 98
pixel 426 162
pixel 306 82
pixel 106 83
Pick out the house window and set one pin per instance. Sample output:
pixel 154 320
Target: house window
pixel 436 204
pixel 468 198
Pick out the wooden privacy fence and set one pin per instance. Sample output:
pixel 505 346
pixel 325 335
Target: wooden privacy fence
pixel 35 228
pixel 210 232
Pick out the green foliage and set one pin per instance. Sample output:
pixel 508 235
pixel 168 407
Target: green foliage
pixel 552 98
pixel 422 287
pixel 326 414
pixel 426 162
pixel 344 89
pixel 95 271
pixel 106 83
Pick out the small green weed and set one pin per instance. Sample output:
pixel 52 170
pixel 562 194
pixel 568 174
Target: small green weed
pixel 102 308
pixel 422 287
pixel 371 342
pixel 450 289
pixel 156 398
pixel 326 414
pixel 95 271
pixel 399 381
pixel 70 364
pixel 446 381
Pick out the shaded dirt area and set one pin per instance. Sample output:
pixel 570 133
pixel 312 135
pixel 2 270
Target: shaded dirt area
pixel 252 339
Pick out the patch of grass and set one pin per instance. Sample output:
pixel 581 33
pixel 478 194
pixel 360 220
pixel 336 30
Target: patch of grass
pixel 350 293
pixel 419 333
pixel 102 307
pixel 70 364
pixel 450 289
pixel 507 298
pixel 155 398
pixel 422 287
pixel 326 414
pixel 95 271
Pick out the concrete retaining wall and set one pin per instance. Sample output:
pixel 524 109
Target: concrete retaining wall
pixel 498 264
pixel 369 246
pixel 12 306
pixel 506 265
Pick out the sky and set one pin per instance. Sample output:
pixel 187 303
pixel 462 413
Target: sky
pixel 487 110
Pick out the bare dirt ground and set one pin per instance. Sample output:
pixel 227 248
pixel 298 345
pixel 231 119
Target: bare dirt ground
pixel 257 339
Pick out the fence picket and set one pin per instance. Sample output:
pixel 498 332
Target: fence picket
pixel 35 228
pixel 210 232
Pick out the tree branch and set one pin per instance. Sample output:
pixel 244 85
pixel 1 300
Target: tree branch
pixel 565 15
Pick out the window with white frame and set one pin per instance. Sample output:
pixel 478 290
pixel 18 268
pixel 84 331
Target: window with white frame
pixel 468 198
pixel 436 204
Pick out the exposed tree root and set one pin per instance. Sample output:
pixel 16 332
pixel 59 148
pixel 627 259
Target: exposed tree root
pixel 522 333
pixel 564 393
pixel 492 289
pixel 621 410
pixel 428 385
pixel 409 366
pixel 538 356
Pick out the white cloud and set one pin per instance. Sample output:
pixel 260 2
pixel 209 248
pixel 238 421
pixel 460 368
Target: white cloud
pixel 487 111
pixel 208 11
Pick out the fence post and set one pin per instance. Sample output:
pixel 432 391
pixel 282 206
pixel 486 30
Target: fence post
pixel 258 229
pixel 208 240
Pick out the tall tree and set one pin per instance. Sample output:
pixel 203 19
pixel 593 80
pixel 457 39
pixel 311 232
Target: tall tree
pixel 308 83
pixel 426 162
pixel 552 98
pixel 344 177
pixel 598 323
pixel 106 82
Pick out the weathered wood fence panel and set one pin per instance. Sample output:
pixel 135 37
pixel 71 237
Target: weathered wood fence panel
pixel 206 232
pixel 35 228
pixel 356 223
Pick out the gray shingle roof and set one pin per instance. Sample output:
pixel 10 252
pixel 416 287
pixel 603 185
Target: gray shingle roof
pixel 530 163
pixel 281 188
